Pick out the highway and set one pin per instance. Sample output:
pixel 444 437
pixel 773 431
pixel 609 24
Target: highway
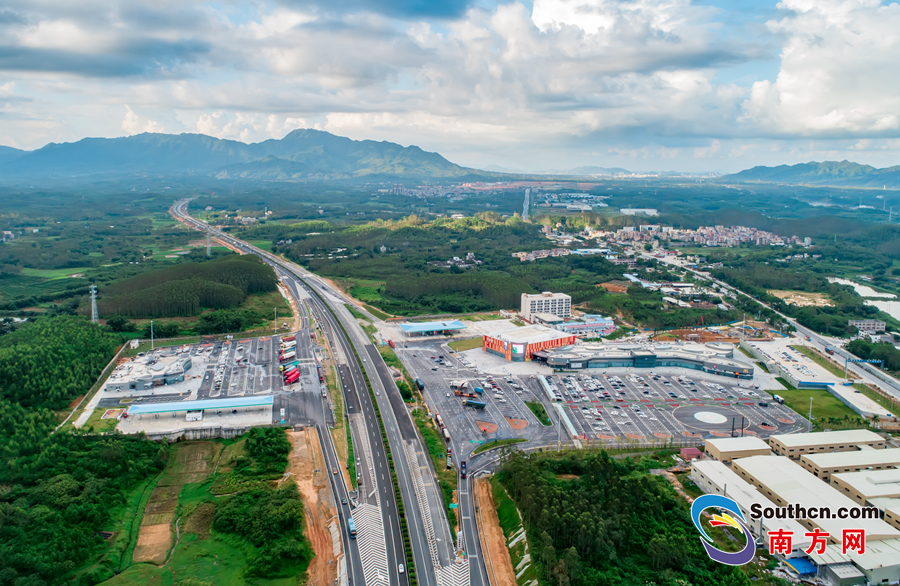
pixel 350 344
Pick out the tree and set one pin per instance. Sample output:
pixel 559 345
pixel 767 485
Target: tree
pixel 118 323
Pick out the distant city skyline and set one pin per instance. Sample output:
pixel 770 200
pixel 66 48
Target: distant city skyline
pixel 667 85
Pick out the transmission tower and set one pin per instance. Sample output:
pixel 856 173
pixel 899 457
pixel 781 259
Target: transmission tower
pixel 94 317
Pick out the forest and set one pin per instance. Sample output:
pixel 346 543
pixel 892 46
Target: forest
pixel 869 351
pixel 598 521
pixel 187 288
pixel 59 489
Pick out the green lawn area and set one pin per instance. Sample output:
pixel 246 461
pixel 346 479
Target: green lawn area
pixel 355 312
pixel 463 345
pixel 813 355
pixel 538 409
pixel 266 303
pixel 263 244
pixel 377 312
pixel 53 273
pixel 826 409
pixel 497 444
pixel 97 425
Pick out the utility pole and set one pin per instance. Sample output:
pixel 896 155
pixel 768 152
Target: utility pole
pixel 151 335
pixel 809 424
pixel 276 320
pixel 94 317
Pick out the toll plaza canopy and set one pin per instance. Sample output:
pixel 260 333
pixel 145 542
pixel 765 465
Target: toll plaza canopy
pixel 202 405
pixel 431 328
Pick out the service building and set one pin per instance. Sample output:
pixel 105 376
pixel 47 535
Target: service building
pixel 520 344
pixel 558 304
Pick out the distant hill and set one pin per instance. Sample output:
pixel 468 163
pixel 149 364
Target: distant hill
pixel 825 173
pixel 589 170
pixel 301 154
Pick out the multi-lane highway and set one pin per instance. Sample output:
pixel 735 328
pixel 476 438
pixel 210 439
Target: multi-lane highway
pixel 349 344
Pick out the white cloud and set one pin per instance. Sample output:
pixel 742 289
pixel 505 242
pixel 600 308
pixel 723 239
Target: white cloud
pixel 838 71
pixel 134 124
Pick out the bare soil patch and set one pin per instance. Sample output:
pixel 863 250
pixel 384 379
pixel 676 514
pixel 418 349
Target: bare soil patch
pixel 491 427
pixel 153 544
pixel 305 457
pixel 517 423
pixel 499 563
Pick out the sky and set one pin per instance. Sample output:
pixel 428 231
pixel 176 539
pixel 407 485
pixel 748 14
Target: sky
pixel 668 85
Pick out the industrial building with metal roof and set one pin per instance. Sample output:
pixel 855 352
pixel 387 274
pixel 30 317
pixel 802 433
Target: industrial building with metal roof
pixel 797 444
pixel 726 449
pixel 824 465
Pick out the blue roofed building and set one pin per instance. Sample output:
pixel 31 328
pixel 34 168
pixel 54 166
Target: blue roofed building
pixel 433 328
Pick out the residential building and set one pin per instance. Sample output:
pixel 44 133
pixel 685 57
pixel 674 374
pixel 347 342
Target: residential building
pixel 868 326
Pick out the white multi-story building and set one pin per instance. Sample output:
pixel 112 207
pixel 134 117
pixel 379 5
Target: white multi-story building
pixel 558 304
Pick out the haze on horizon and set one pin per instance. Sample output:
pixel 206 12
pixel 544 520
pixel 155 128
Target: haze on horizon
pixel 710 85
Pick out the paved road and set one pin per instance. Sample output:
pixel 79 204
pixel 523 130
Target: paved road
pixel 301 284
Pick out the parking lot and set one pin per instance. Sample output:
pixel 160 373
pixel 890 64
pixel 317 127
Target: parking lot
pixel 615 405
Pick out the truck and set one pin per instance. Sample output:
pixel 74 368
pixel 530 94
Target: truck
pixel 438 420
pixel 479 390
pixel 288 339
pixel 284 367
pixel 290 370
pixel 351 527
pixel 462 469
pixel 292 378
pixel 446 435
pixel 391 343
pixel 288 345
pixel 829 350
pixel 289 355
pixel 465 394
pixel 473 404
pixel 420 384
pixel 458 384
pixel 778 399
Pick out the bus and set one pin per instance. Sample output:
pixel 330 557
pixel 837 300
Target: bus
pixel 778 399
pixel 351 527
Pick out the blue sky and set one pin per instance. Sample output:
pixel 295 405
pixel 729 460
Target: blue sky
pixel 703 86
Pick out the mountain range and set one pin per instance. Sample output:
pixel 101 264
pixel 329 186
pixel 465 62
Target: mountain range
pixel 302 154
pixel 843 173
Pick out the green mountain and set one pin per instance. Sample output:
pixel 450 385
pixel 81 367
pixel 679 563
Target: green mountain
pixel 843 173
pixel 299 155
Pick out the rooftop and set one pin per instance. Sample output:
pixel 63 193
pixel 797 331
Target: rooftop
pixel 737 444
pixel 851 436
pixel 433 326
pixel 203 404
pixel 873 483
pixel 531 335
pixel 854 458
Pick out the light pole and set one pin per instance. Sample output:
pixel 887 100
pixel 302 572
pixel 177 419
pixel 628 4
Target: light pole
pixel 151 335
pixel 809 425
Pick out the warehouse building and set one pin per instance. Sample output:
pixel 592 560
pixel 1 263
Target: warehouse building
pixel 824 465
pixel 558 304
pixel 726 449
pixel 195 410
pixel 593 326
pixel 866 485
pixel 520 344
pixel 717 478
pixel 147 372
pixel 795 445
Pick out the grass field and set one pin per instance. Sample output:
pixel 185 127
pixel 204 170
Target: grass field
pixel 266 303
pixel 825 407
pixel 53 273
pixel 538 409
pixel 463 345
pixel 377 312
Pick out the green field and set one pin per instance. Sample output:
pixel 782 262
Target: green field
pixel 538 409
pixel 827 411
pixel 53 273
pixel 463 345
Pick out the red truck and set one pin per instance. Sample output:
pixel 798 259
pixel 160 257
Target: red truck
pixel 288 338
pixel 292 378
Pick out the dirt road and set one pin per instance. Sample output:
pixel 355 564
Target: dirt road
pixel 500 569
pixel 305 458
